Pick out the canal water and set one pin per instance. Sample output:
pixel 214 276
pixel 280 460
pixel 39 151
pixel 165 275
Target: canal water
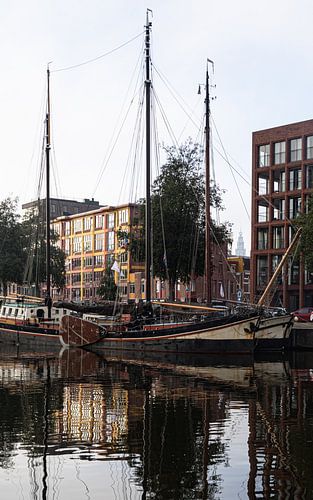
pixel 78 425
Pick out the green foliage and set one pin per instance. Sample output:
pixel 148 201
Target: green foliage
pixel 306 241
pixel 11 244
pixel 107 288
pixel 178 216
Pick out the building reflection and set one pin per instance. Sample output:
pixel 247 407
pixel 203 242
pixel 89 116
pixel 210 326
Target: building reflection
pixel 172 423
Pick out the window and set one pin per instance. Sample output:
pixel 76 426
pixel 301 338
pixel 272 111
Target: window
pixel 77 225
pixel 67 246
pixel 110 221
pixel 87 243
pixel 111 240
pixel 262 239
pixel 123 216
pixel 99 221
pixel 262 213
pixel 294 207
pixel 123 274
pixel 262 267
pixel 279 152
pixel 87 223
pixel 76 263
pixel 293 273
pixel 279 209
pixel 132 288
pixel 278 237
pixel 264 155
pixel 295 149
pixel 99 242
pixel 75 278
pixel 123 257
pixel 309 147
pixel 98 260
pixel 309 176
pixel 67 228
pixel 275 262
pixel 262 184
pixel 295 179
pixel 77 244
pixel 88 261
pixel 279 181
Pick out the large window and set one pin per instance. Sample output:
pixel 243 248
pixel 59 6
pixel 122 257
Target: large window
pixel 295 149
pixel 110 221
pixel 279 152
pixel 99 242
pixel 309 176
pixel 264 155
pixel 262 268
pixel 262 239
pixel 87 243
pixel 262 212
pixel 294 207
pixel 77 244
pixel 279 181
pixel 87 223
pixel 262 184
pixel 279 209
pixel 123 216
pixel 309 147
pixel 99 221
pixel 77 225
pixel 278 237
pixel 295 179
pixel 275 262
pixel 111 240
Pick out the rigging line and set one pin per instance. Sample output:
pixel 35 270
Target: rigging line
pixel 234 178
pixel 112 149
pixel 224 256
pixel 98 57
pixel 134 144
pixel 166 122
pixel 140 59
pixel 168 85
pixel 158 162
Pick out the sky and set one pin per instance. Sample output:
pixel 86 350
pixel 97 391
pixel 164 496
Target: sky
pixel 262 71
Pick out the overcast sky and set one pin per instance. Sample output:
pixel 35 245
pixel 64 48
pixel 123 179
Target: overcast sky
pixel 263 76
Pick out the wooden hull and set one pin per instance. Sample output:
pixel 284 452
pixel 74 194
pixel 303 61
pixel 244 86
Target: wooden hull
pixel 227 338
pixel 274 333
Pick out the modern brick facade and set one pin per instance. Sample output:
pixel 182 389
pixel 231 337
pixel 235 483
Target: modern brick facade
pixel 282 182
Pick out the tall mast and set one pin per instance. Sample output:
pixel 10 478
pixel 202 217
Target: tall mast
pixel 148 165
pixel 208 278
pixel 48 272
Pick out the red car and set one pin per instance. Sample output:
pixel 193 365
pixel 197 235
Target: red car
pixel 303 314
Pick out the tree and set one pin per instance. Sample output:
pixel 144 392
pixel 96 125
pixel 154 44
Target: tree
pixel 306 241
pixel 107 287
pixel 34 232
pixel 178 217
pixel 11 244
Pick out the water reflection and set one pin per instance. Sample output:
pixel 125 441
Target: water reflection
pixel 76 423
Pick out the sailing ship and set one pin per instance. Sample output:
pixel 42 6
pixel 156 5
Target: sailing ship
pixel 243 330
pixel 31 321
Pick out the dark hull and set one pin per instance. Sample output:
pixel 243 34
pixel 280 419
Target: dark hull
pixel 29 337
pixel 177 346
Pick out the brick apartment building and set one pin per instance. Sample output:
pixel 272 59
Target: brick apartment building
pixel 282 182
